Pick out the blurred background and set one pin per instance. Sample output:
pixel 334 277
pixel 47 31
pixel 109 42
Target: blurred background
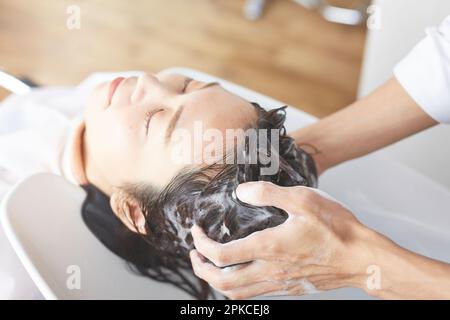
pixel 283 48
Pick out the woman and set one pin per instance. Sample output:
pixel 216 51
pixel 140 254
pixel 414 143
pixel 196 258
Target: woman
pixel 145 187
pixel 159 197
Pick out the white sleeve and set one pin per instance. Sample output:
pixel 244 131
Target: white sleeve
pixel 425 72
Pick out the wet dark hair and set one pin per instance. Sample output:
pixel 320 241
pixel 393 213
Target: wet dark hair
pixel 204 196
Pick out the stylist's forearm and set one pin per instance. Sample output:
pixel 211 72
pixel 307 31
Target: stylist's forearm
pixel 403 274
pixel 387 115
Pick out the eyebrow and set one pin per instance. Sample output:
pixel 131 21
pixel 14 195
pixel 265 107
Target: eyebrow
pixel 173 122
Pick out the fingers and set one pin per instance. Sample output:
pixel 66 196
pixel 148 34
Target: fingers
pixel 254 290
pixel 292 287
pixel 234 252
pixel 240 282
pixel 294 200
pixel 227 278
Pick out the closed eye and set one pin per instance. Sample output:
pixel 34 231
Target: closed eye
pixel 186 84
pixel 148 117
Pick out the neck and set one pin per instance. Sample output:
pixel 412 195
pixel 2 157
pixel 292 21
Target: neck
pixel 83 168
pixel 77 155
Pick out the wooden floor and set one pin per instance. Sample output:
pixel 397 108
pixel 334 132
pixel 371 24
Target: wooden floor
pixel 290 54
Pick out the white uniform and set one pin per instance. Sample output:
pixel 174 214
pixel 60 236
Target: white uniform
pixel 425 72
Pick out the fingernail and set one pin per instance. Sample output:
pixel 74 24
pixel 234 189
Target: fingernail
pixel 197 232
pixel 195 257
pixel 194 231
pixel 244 192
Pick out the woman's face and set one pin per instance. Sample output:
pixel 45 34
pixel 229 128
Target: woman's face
pixel 130 124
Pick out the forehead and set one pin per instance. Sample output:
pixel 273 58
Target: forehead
pixel 218 107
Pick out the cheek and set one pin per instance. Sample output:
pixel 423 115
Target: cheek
pixel 112 138
pixel 119 133
pixel 97 99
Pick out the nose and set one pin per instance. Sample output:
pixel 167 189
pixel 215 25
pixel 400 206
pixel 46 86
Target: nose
pixel 149 79
pixel 146 83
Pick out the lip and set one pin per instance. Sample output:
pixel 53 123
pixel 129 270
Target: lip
pixel 112 88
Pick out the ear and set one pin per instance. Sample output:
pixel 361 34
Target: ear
pixel 128 210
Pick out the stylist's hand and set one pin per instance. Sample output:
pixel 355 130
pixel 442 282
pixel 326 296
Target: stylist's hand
pixel 317 248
